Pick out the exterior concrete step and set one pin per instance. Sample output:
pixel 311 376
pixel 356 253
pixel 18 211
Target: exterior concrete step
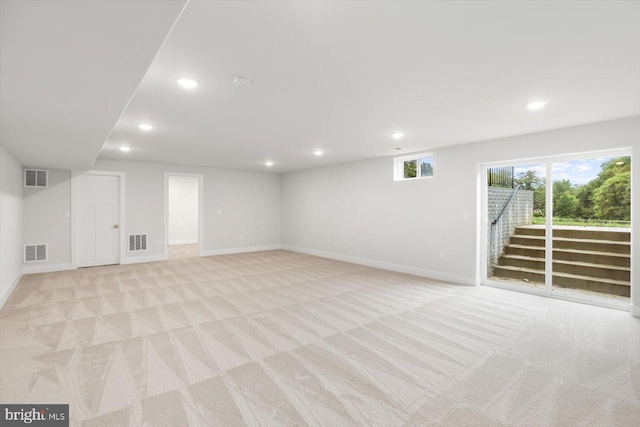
pixel 530 231
pixel 593 257
pixel 572 267
pixel 622 235
pixel 566 280
pixel 593 245
pixel 592 270
pixel 578 244
pixel 616 235
pixel 533 263
pixel 531 251
pixel 608 286
pixel 510 272
pixel 532 241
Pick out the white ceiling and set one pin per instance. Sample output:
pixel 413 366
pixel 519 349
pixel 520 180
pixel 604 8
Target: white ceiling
pixel 336 76
pixel 67 71
pixel 341 76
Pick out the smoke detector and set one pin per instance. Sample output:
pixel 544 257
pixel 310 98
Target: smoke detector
pixel 242 80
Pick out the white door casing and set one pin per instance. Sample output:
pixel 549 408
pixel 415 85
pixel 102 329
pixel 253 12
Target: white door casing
pixel 98 221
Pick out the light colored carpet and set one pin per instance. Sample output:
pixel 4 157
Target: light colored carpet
pixel 183 251
pixel 280 338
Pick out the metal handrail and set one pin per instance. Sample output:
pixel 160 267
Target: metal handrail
pixel 506 205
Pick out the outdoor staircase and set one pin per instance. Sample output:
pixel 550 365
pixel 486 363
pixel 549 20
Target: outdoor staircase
pixel 589 259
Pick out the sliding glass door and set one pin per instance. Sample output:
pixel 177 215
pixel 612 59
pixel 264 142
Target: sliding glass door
pixel 570 238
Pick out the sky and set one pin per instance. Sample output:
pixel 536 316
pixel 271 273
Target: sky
pixel 577 171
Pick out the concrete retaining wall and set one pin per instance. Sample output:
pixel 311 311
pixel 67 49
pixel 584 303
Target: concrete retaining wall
pixel 519 212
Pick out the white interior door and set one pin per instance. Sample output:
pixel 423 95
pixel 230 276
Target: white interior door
pixel 98 220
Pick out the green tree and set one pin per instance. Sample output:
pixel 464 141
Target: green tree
pixel 613 199
pixel 614 167
pixel 410 169
pixel 529 180
pixel 566 206
pixel 585 202
pixel 608 170
pixel 560 188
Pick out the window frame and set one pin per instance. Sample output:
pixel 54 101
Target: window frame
pixel 398 166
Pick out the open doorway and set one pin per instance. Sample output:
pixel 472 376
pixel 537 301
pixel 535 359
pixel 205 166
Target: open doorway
pixel 183 208
pixel 560 227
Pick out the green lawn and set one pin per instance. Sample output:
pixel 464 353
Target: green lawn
pixel 583 222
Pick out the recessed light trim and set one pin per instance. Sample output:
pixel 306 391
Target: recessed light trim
pixel 397 135
pixel 268 163
pixel 537 104
pixel 399 149
pixel 125 149
pixel 242 80
pixel 317 153
pixel 187 82
pixel 145 126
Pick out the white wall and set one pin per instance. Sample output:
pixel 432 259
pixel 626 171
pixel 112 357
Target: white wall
pixel 47 219
pixel 249 205
pixel 356 211
pixel 183 210
pixel 11 208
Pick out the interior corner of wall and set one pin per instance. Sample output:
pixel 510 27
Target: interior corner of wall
pixel 7 293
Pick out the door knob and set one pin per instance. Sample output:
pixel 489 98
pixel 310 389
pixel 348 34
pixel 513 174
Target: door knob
pixel 116 226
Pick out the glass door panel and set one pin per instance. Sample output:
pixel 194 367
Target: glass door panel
pixel 516 198
pixel 592 229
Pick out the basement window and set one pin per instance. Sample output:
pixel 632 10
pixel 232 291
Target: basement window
pixel 415 166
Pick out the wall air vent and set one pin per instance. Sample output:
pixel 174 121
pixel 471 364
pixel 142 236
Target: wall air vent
pixel 35 253
pixel 137 242
pixel 36 178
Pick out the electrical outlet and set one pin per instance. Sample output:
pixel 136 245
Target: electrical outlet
pixel 219 211
pixel 160 242
pixel 441 254
pixel 242 237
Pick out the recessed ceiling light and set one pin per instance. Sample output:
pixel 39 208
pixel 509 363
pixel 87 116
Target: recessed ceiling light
pixel 268 163
pixel 125 149
pixel 242 80
pixel 398 148
pixel 187 82
pixel 318 152
pixel 397 135
pixel 537 104
pixel 145 126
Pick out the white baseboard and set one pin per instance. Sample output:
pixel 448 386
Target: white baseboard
pixel 437 275
pixel 635 310
pixel 4 297
pixel 142 259
pixel 182 242
pixel 213 252
pixel 46 268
